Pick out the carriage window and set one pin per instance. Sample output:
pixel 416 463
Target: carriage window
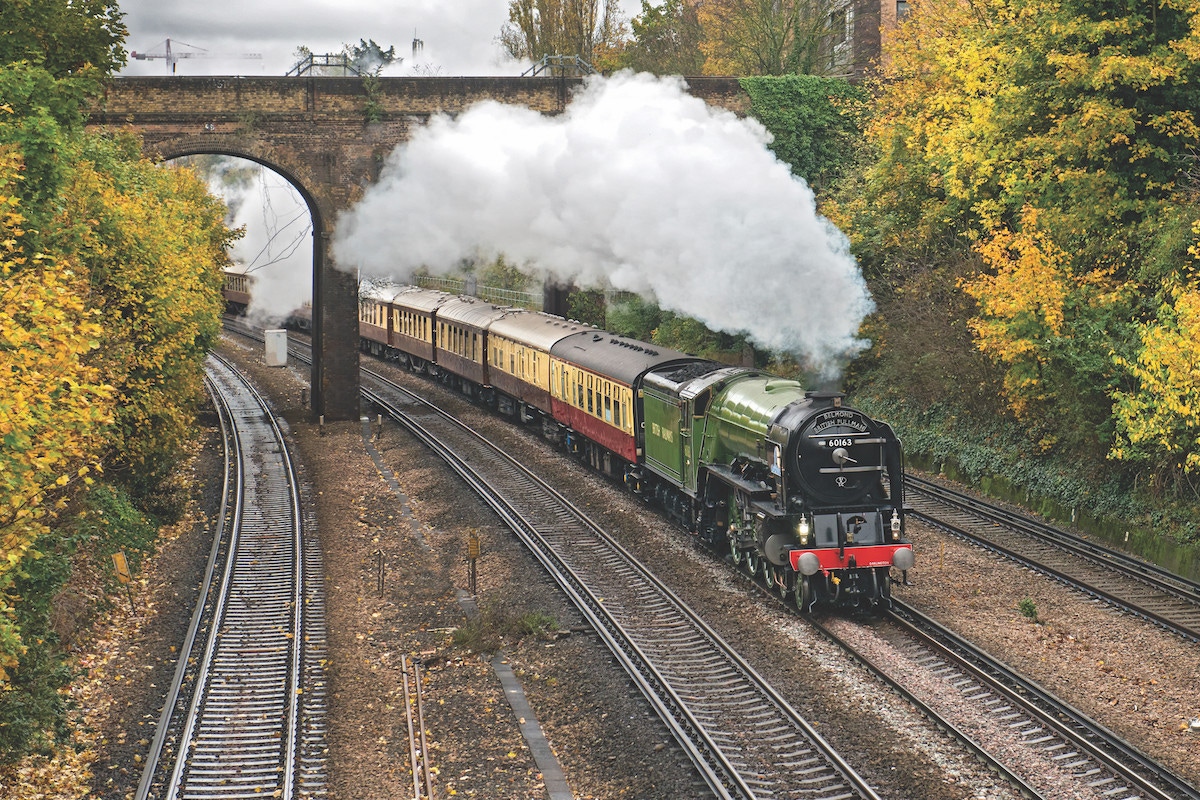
pixel 608 412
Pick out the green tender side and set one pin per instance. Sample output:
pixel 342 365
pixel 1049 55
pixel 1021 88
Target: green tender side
pixel 663 416
pixel 739 416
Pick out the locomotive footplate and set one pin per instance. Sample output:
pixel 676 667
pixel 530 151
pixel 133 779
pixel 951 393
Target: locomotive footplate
pixel 753 488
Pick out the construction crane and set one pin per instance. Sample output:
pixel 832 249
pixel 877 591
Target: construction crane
pixel 171 57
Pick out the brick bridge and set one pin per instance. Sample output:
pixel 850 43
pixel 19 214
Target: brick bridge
pixel 315 132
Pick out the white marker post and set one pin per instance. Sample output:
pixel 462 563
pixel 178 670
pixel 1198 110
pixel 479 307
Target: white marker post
pixel 276 355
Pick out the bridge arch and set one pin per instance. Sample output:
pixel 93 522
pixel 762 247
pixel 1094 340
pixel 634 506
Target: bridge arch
pixel 329 138
pixel 260 151
pixel 333 395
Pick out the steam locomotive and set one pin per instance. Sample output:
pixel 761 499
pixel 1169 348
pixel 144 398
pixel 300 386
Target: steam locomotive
pixel 802 491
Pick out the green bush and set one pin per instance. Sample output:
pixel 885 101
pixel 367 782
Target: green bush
pixel 1028 609
pixel 487 632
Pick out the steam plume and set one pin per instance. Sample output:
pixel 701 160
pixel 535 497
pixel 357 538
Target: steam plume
pixel 638 186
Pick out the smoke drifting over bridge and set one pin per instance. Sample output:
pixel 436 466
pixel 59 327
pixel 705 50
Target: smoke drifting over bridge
pixel 638 186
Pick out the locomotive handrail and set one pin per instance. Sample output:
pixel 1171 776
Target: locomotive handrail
pixel 842 470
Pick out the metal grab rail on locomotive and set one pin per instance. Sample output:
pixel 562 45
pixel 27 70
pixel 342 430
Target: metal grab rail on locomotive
pixel 798 487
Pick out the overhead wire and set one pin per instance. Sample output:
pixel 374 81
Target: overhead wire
pixel 273 228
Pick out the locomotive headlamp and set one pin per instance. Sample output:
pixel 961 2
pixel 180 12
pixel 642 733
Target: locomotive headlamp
pixel 803 530
pixel 895 525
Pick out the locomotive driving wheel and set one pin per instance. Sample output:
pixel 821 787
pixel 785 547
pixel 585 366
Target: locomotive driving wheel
pixel 754 562
pixel 737 521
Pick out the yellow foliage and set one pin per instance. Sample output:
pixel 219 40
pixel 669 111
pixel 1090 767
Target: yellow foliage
pixel 153 240
pixel 1030 280
pixel 1164 413
pixel 54 407
pixel 1023 301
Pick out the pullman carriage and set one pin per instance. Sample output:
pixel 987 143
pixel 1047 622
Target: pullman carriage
pixel 461 344
pixel 519 359
pixel 593 377
pixel 374 319
pixel 237 289
pixel 413 325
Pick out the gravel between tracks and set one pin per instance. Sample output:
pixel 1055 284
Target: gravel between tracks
pixel 1133 678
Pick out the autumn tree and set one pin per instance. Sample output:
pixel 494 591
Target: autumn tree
pixel 666 39
pixel 1159 421
pixel 54 405
pixel 153 242
pixel 38 111
pixel 1028 150
pixel 1157 408
pixel 589 29
pixel 110 275
pixel 765 37
pixel 63 37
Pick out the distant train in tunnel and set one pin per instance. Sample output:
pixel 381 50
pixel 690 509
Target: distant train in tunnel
pixel 238 288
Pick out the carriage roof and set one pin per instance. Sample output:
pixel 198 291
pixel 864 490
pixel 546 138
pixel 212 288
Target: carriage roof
pixel 535 328
pixel 615 356
pixel 471 311
pixel 414 298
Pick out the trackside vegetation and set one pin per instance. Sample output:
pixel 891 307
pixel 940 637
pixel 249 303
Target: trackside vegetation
pixel 110 298
pixel 1025 211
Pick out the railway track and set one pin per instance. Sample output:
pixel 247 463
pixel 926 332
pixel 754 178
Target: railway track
pixel 744 739
pixel 1039 743
pixel 1144 589
pixel 245 713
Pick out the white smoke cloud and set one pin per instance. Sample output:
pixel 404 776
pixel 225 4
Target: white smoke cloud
pixel 277 247
pixel 637 186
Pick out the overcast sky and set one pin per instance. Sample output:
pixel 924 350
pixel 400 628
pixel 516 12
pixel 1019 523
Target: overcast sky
pixel 458 36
